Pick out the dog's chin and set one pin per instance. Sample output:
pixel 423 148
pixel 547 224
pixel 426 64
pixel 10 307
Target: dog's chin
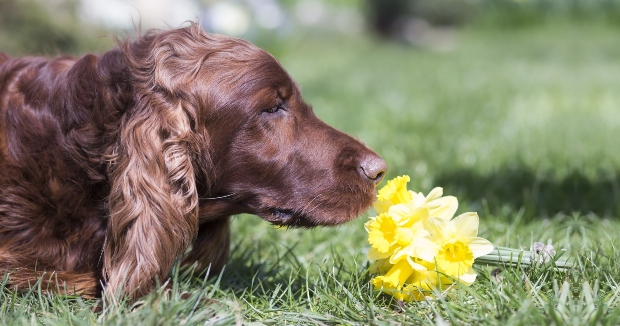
pixel 287 217
pixel 329 213
pixel 293 218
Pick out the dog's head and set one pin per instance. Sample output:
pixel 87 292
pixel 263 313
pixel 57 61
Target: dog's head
pixel 238 126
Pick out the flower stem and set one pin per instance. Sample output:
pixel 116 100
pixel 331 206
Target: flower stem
pixel 502 256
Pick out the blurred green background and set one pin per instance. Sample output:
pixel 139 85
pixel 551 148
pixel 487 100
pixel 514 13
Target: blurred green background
pixel 510 105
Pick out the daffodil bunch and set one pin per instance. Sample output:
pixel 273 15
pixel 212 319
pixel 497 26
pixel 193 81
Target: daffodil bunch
pixel 418 245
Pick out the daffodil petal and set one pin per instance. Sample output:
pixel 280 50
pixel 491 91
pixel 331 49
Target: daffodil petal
pixel 424 279
pixel 419 231
pixel 380 266
pixel 438 228
pixel 399 212
pixel 427 252
pixel 367 225
pixel 468 278
pixel 415 265
pixel 401 253
pixel 434 194
pixel 382 206
pixel 398 274
pixel 424 249
pixel 404 236
pixel 443 207
pixel 466 225
pixel 374 254
pixel 419 200
pixel 480 247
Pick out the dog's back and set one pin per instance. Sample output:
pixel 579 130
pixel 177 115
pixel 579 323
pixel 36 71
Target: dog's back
pixel 39 179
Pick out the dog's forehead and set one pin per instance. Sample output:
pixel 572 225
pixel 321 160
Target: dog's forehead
pixel 237 73
pixel 266 74
pixel 274 75
pixel 268 70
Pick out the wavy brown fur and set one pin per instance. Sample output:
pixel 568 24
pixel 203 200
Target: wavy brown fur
pixel 113 166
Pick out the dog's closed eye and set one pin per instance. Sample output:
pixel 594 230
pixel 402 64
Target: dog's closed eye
pixel 276 109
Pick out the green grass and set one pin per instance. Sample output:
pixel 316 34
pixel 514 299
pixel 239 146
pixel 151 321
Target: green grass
pixel 311 277
pixel 520 125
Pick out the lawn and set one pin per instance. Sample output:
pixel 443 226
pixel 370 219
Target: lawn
pixel 521 125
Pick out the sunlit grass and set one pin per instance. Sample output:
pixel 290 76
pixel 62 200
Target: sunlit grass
pixel 278 276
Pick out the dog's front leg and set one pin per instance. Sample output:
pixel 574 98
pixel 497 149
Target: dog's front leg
pixel 212 246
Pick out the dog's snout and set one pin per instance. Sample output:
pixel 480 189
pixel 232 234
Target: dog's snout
pixel 373 168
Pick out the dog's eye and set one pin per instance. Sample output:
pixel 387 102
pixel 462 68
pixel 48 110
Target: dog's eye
pixel 275 109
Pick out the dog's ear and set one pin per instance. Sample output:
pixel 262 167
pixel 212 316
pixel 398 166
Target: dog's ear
pixel 153 201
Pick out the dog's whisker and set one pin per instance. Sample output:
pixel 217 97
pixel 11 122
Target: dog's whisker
pixel 313 209
pixel 309 203
pixel 218 197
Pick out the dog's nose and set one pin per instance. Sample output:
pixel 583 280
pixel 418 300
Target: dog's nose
pixel 373 168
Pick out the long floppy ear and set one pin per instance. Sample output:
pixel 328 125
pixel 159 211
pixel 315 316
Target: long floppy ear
pixel 153 201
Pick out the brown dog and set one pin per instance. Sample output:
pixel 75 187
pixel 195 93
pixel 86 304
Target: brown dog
pixel 113 166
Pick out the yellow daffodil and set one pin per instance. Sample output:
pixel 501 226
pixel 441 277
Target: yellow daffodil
pixel 459 245
pixel 417 246
pixel 411 293
pixel 421 283
pixel 438 206
pixel 395 278
pixel 399 234
pixel 380 266
pixel 407 283
pixel 394 192
pixel 407 215
pixel 414 242
pixel 382 235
